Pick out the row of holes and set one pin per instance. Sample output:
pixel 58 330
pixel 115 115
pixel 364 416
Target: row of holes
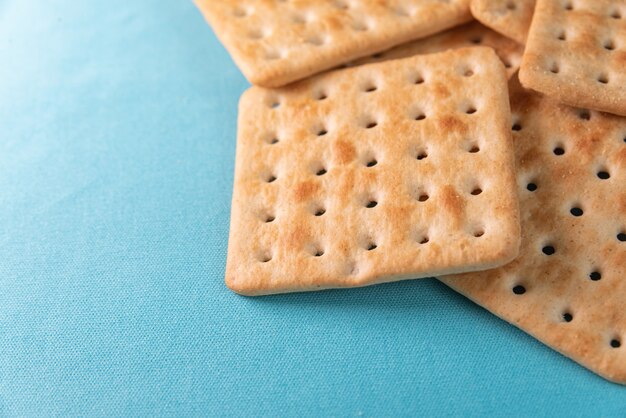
pixel 368 87
pixel 582 114
pixel 608 44
pixel 474 40
pixel 567 316
pixel 370 246
pixel 602 78
pixel 240 12
pixel 569 6
pixel 472 148
pixel 372 203
pixel 370 123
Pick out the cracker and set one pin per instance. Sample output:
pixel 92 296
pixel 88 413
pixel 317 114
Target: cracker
pixel 275 42
pixel 511 18
pixel 376 173
pixel 568 286
pixel 576 53
pixel 467 35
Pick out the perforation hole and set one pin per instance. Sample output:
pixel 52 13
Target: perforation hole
pixel 470 110
pixel 341 5
pixel 322 132
pixel 319 211
pixel 270 178
pixel 548 250
pixel 479 233
pixel 603 79
pixel 401 11
pixel 609 45
pixel 371 246
pixel 371 124
pixel 321 172
pixel 423 197
pixel 240 12
pixel 423 238
pixel 558 150
pixel 371 163
pixel 318 253
pixel 621 237
pixel 616 14
pixel 473 149
pixel 256 34
pixel 584 114
pixel 265 257
pixel 419 115
pixel 476 40
pixel 595 276
pixel 315 40
pixel 476 191
pixel 554 68
pixel 507 63
pixel 273 55
pixel 370 88
pixel 519 289
pixel 299 18
pixel 371 204
pixel 269 218
pixel 531 187
pixel 567 317
pixel 272 140
pixel 568 6
pixel 321 95
pixel 511 5
pixel 468 73
pixel 422 154
pixel 616 343
pixel 603 174
pixel 562 36
pixel 418 79
pixel 359 26
pixel 516 127
pixel 378 55
pixel 576 211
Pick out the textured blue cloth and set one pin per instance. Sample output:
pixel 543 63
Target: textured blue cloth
pixel 117 140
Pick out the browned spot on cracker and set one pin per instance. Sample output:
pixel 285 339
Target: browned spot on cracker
pixel 452 124
pixel 441 91
pixel 344 151
pixel 305 190
pixel 453 204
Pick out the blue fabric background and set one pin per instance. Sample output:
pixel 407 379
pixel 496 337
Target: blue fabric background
pixel 117 140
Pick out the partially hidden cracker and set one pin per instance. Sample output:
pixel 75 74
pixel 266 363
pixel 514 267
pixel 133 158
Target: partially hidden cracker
pixel 387 171
pixel 275 42
pixel 567 288
pixel 470 34
pixel 576 53
pixel 511 18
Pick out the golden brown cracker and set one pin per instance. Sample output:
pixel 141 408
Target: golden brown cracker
pixel 381 172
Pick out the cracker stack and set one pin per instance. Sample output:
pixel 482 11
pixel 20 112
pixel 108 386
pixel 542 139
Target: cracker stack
pixel 408 162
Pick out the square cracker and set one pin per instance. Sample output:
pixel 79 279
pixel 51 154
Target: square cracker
pixel 567 288
pixel 576 53
pixel 470 34
pixel 511 18
pixel 376 173
pixel 275 42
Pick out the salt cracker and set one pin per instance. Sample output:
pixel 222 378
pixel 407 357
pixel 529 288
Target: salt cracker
pixel 511 18
pixel 470 34
pixel 568 286
pixel 275 42
pixel 576 53
pixel 376 173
